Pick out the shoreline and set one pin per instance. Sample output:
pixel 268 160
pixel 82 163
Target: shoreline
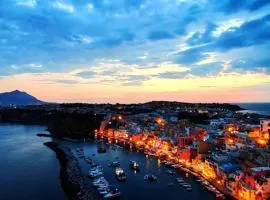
pixel 183 168
pixel 72 179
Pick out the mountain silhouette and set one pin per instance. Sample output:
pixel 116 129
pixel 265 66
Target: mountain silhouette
pixel 18 98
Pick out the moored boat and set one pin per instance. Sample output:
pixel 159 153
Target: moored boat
pixel 150 177
pixel 134 165
pixel 113 193
pixel 120 174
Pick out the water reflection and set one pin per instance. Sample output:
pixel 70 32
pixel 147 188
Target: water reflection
pixel 159 163
pixel 148 164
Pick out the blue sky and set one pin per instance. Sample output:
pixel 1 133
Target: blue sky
pixel 148 47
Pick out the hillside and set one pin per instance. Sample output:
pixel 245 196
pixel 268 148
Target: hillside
pixel 18 98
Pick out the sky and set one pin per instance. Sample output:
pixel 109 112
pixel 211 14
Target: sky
pixel 130 51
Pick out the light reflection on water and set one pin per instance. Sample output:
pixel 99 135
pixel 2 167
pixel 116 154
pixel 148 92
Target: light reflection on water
pixel 158 163
pixel 135 187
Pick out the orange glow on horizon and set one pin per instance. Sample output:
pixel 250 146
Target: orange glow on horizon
pixel 157 89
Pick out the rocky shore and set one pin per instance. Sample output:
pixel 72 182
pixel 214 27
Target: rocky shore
pixel 72 179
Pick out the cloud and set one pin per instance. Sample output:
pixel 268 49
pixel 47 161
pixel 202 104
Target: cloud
pixel 252 64
pixel 190 56
pixel 61 81
pixel 86 74
pixel 80 39
pixel 258 4
pixel 248 34
pixel 159 35
pixel 203 37
pixel 60 5
pixel 28 3
pixel 204 70
pixel 64 35
pixel 134 80
pixel 172 75
pixel 232 6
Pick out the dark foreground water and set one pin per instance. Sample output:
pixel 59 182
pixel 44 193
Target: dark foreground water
pixel 28 169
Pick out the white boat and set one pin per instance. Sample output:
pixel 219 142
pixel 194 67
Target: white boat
pixel 113 193
pixel 150 177
pixel 170 172
pixel 180 180
pixel 175 166
pixel 120 174
pixel 95 174
pixel 134 165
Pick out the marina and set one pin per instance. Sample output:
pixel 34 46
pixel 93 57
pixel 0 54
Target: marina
pixel 153 175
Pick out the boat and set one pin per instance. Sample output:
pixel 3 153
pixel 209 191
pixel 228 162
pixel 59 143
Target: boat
pixel 150 177
pixel 113 193
pixel 101 149
pixel 168 164
pixel 95 172
pixel 170 172
pixel 120 174
pixel 180 180
pixel 134 165
pixel 99 180
pixel 175 166
pixel 114 164
pixel 220 196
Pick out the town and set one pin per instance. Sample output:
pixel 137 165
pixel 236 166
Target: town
pixel 226 149
pixel 229 149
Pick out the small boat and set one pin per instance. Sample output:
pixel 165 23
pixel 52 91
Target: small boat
pixel 189 189
pixel 113 193
pixel 185 185
pixel 150 177
pixel 170 172
pixel 180 180
pixel 114 164
pixel 198 180
pixel 175 166
pixel 95 175
pixel 95 172
pixel 168 164
pixel 134 165
pixel 120 174
pixel 220 196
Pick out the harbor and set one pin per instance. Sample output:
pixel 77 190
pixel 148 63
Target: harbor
pixel 154 179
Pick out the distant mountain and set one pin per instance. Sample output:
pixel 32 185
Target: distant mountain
pixel 18 98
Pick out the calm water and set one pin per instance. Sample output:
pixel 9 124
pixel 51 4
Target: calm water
pixel 136 188
pixel 29 170
pixel 259 108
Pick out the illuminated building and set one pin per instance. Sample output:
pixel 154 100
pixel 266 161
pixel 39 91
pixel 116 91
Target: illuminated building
pixel 265 126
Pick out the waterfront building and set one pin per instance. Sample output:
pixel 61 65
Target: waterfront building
pixel 265 126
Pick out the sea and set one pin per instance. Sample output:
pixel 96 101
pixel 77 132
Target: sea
pixel 28 169
pixel 258 108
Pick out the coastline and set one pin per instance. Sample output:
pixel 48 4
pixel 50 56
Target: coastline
pixel 72 179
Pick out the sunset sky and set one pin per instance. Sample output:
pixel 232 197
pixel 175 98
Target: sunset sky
pixel 136 50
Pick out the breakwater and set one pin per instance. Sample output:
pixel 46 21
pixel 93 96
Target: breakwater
pixel 72 179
